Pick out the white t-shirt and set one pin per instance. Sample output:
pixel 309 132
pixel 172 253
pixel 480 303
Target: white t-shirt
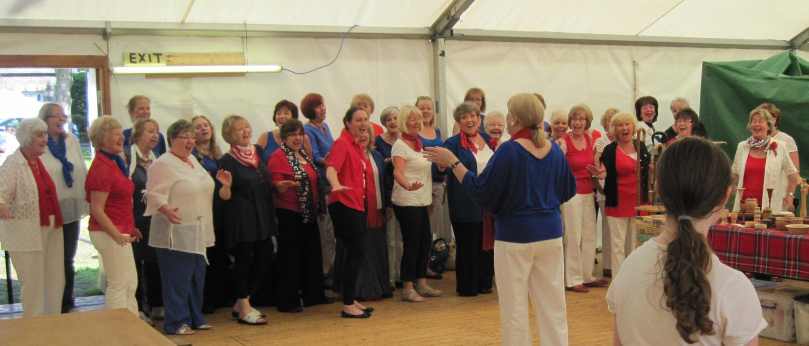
pixel 788 140
pixel 417 168
pixel 482 158
pixel 642 318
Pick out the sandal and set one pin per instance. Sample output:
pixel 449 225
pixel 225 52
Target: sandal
pixel 412 296
pixel 235 314
pixel 183 330
pixel 427 291
pixel 252 318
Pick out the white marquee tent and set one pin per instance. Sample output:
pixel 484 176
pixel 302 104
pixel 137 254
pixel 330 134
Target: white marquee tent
pixel 603 53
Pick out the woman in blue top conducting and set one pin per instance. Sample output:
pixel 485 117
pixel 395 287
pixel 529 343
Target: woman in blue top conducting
pixel 523 185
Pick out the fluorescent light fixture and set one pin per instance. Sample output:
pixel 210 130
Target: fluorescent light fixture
pixel 182 69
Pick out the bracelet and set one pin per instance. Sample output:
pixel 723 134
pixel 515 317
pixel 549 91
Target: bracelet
pixel 452 166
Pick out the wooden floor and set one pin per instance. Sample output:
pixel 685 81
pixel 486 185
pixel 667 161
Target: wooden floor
pixel 449 320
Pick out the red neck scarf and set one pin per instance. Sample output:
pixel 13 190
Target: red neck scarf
pixel 246 155
pixel 415 139
pixel 48 200
pixel 466 143
pixel 525 133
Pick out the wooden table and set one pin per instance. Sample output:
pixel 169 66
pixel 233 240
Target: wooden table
pixel 96 328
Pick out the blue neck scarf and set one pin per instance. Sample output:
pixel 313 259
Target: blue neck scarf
pixel 118 161
pixel 58 149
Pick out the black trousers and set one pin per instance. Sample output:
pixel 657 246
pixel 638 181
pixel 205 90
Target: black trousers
pixel 349 227
pixel 150 287
pixel 218 291
pixel 252 259
pixel 300 261
pixel 473 266
pixel 416 241
pixel 71 241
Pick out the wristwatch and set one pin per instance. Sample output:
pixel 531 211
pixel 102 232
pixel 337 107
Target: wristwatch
pixel 452 166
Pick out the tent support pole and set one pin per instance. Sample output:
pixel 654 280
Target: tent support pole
pixel 440 84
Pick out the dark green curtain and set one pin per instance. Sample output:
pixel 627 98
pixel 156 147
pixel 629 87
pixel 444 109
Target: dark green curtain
pixel 730 90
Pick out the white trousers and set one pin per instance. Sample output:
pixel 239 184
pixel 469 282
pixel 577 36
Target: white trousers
pixel 532 270
pixel 579 216
pixel 395 245
pixel 439 214
pixel 622 240
pixel 119 265
pixel 42 274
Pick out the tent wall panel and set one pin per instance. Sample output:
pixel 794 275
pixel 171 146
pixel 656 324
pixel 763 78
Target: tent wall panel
pixel 600 76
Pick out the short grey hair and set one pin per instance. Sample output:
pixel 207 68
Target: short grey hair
pixel 463 108
pixel 387 113
pixel 47 110
pixel 28 129
pixel 178 128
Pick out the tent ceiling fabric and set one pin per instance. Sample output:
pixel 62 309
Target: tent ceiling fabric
pixel 698 19
pixel 410 13
pixel 724 19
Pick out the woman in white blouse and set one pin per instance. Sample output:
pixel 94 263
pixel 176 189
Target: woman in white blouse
pixel 762 163
pixel 412 195
pixel 31 223
pixel 65 164
pixel 179 197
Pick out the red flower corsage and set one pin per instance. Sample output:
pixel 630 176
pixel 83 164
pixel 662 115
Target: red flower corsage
pixel 773 147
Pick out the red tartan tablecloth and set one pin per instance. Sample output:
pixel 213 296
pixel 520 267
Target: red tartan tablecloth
pixel 766 252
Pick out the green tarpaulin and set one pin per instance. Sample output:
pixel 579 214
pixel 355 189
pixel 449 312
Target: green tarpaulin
pixel 730 90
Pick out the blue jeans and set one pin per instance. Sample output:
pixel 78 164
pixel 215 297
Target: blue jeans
pixel 183 277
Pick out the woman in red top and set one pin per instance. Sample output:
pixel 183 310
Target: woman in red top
pixel 579 213
pixel 296 205
pixel 112 225
pixel 350 174
pixel 621 186
pixel 31 222
pixel 762 163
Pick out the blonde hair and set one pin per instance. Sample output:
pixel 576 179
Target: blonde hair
pixel 528 111
pixel 558 115
pixel 581 107
pixel 774 111
pixel 493 115
pixel 100 128
pixel 607 117
pixel 213 147
pixel 405 113
pixel 427 98
pixel 766 115
pixel 140 127
pixel 360 98
pixel 227 126
pixel 623 118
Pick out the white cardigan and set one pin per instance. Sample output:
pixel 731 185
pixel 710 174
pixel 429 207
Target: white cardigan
pixel 172 181
pixel 71 199
pixel 18 191
pixel 776 174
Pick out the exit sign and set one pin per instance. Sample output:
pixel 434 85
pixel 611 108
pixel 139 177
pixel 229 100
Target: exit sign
pixel 141 59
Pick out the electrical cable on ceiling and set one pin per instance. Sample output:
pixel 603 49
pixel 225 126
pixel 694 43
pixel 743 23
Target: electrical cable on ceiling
pixel 340 50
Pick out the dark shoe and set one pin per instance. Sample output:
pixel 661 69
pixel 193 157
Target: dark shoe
pixel 368 310
pixel 467 294
pixel 578 289
pixel 598 283
pixel 292 310
pixel 387 295
pixel 344 314
pixel 399 284
pixel 485 291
